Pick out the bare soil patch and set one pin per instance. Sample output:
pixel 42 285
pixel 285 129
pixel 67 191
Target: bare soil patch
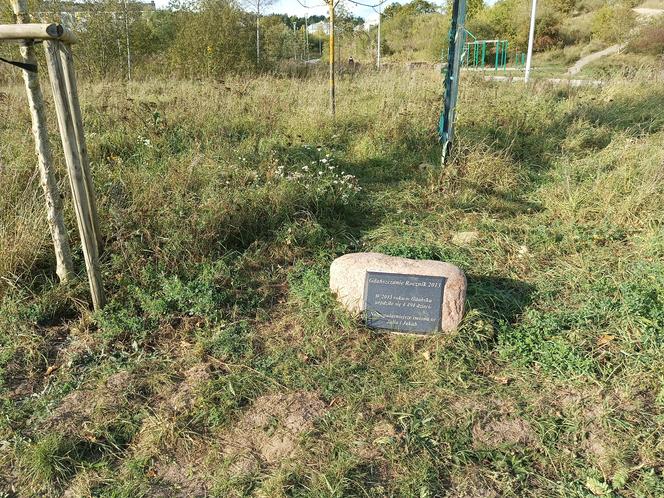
pixel 470 483
pixel 181 476
pixel 185 393
pixel 503 432
pixel 84 405
pixel 266 435
pixel 270 430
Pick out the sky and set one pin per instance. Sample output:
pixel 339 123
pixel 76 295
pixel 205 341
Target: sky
pixel 318 7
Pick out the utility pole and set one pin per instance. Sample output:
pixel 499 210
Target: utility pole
pixel 306 34
pixel 531 40
pixel 378 48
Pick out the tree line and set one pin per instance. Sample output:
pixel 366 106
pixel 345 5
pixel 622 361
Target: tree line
pixel 210 38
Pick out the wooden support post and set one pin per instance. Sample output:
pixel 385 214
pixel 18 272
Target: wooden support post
pixel 74 166
pixel 56 223
pixel 27 31
pixel 67 61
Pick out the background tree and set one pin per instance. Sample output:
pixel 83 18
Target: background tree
pixel 256 6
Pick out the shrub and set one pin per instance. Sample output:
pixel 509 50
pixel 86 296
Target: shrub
pixel 649 40
pixel 577 29
pixel 548 31
pixel 612 23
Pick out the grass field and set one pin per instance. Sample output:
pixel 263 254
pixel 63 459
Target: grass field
pixel 222 364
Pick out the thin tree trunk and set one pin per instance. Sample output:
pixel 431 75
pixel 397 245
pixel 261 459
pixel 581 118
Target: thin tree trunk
pixel 56 223
pixel 258 33
pixel 126 23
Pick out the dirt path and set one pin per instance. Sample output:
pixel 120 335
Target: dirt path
pixel 613 49
pixel 583 61
pixel 645 12
pixel 556 81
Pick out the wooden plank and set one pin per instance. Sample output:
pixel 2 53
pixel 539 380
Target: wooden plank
pixel 67 61
pixel 56 222
pixel 76 176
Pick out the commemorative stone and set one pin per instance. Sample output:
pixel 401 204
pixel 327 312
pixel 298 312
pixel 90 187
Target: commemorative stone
pixel 400 294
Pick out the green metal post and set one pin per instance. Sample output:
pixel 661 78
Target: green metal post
pixel 483 53
pixel 456 43
pixel 497 45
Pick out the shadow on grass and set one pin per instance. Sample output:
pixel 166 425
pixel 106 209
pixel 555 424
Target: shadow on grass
pixel 499 299
pixel 636 113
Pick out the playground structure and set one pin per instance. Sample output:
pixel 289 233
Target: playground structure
pixel 57 41
pixel 478 54
pixel 475 52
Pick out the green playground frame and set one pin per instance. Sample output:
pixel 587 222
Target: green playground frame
pixel 476 53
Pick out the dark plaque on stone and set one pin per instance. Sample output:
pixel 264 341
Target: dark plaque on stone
pixel 402 302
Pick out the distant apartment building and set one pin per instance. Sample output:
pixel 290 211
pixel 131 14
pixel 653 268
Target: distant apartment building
pixel 320 27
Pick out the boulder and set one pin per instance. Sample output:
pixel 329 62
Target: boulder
pixel 348 275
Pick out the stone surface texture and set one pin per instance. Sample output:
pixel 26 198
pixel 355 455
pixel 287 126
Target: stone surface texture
pixel 348 273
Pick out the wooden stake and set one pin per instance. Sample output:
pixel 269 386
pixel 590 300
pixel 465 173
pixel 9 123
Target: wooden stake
pixel 76 175
pixel 56 223
pixel 67 61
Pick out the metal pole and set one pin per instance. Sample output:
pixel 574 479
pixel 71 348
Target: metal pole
pixel 306 34
pixel 497 45
pixel 531 39
pixel 378 48
pixel 456 47
pixel 331 56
